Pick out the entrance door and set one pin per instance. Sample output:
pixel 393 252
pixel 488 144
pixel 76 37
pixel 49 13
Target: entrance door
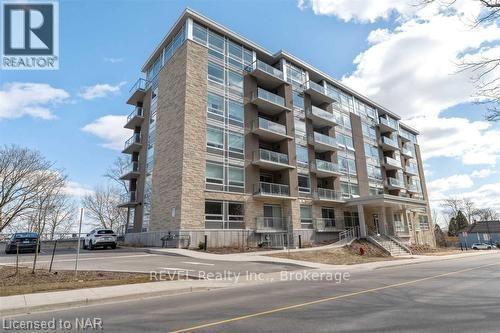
pixel 376 224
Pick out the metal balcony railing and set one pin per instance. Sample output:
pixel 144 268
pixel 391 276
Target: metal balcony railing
pixel 327 166
pixel 394 182
pixel 331 117
pixel 316 87
pixel 328 194
pixel 407 152
pixel 412 168
pixel 270 156
pixel 322 224
pixel 258 64
pixel 271 223
pixel 390 142
pixel 270 126
pixel 136 138
pixel 137 112
pixel 265 188
pixel 269 96
pixel 132 167
pixel 325 139
pixel 129 197
pixel 389 122
pixel 140 84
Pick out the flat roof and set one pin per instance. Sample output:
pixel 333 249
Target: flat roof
pixel 262 54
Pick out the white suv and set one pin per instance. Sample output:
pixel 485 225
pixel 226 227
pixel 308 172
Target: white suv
pixel 100 238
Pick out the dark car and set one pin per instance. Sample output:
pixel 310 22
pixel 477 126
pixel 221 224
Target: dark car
pixel 26 240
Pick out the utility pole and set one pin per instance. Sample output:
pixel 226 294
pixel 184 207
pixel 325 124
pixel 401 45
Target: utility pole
pixel 78 244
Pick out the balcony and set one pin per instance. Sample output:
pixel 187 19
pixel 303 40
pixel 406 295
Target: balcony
pixel 271 224
pixel 318 93
pixel 133 144
pixel 325 225
pixel 131 171
pixel 411 169
pixel 327 195
pixel 128 199
pixel 395 184
pixel 388 125
pixel 413 188
pixel 135 118
pixel 325 169
pixel 322 142
pixel 267 75
pixel 269 131
pixel 271 160
pixel 405 137
pixel 321 117
pixel 273 190
pixel 407 152
pixel 389 144
pixel 392 164
pixel 268 102
pixel 138 91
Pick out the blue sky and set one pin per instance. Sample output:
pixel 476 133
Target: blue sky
pixel 103 45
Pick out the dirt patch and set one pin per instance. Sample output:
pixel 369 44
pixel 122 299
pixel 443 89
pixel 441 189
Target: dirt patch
pixel 228 250
pixel 26 282
pixel 347 255
pixel 433 251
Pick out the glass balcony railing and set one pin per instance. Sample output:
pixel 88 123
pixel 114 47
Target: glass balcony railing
pixel 390 142
pixel 270 156
pixel 407 152
pixel 327 166
pixel 392 161
pixel 412 168
pixel 321 224
pixel 265 188
pixel 389 122
pixel 267 69
pixel 137 112
pixel 132 167
pixel 271 223
pixel 270 97
pixel 327 194
pixel 331 117
pixel 316 87
pixel 136 138
pixel 412 188
pixel 325 139
pixel 394 182
pixel 271 126
pixel 140 84
pixel 404 135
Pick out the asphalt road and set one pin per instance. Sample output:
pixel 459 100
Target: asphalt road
pixel 139 261
pixel 460 295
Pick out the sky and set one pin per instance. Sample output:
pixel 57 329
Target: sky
pixel 401 55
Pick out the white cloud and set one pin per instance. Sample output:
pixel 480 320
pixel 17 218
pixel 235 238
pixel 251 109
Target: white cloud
pixel 358 10
pixel 19 99
pixel 483 173
pixel 486 196
pixel 77 190
pixel 110 129
pixel 113 60
pixel 455 182
pixel 101 90
pixel 473 142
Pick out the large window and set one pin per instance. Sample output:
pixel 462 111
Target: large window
pixel 298 100
pixel 235 82
pixel 215 104
pixel 215 137
pixel 224 215
pixel 236 142
pixel 236 176
pixel 215 72
pixel 302 155
pixel 423 222
pixel 304 184
pixel 347 165
pixel 214 173
pixel 306 217
pixel 235 111
pixel 345 140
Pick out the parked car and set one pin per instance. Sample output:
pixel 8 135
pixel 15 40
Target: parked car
pixel 26 240
pixel 481 246
pixel 100 238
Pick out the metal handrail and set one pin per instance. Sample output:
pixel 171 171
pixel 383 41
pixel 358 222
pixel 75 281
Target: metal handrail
pixel 135 138
pixel 136 112
pixel 271 223
pixel 140 84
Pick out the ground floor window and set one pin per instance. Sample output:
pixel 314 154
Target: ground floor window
pixel 351 219
pixel 398 224
pixel 306 217
pixel 224 215
pixel 423 222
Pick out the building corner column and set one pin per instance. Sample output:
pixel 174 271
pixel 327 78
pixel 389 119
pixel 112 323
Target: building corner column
pixel 362 224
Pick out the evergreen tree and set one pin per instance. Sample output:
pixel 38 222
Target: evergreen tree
pixel 440 237
pixel 452 227
pixel 461 222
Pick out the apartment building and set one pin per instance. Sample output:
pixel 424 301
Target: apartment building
pixel 231 139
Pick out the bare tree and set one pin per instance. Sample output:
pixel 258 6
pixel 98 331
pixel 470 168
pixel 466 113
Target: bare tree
pixel 485 68
pixel 486 214
pixel 468 208
pixel 61 216
pixel 102 207
pixel 24 176
pixel 118 169
pixel 452 206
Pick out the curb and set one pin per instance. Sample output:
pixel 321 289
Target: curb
pixel 111 299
